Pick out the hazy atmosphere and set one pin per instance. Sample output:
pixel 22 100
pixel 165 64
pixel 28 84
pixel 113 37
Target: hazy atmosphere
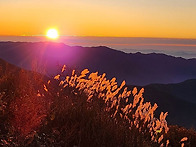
pixel 185 48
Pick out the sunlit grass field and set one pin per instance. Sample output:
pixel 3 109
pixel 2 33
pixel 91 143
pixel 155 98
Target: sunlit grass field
pixel 79 108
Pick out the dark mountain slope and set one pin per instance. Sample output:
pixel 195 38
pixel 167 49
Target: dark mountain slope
pixel 139 69
pixel 177 99
pixel 181 112
pixel 185 90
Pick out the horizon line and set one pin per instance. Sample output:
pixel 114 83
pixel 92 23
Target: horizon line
pixel 100 36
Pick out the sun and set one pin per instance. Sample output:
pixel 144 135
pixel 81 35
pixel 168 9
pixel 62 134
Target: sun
pixel 52 34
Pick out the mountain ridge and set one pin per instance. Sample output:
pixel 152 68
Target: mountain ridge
pixel 135 68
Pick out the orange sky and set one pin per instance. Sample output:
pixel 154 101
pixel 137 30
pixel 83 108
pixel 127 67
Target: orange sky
pixel 123 18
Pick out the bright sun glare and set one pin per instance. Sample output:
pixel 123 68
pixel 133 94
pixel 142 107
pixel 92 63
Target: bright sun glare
pixel 52 34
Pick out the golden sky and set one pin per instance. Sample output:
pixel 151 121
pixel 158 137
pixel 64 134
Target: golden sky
pixel 122 18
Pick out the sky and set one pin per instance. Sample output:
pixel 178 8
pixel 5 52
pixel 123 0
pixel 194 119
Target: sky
pixel 117 18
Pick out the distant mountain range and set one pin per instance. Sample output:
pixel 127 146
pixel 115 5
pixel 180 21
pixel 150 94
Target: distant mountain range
pixel 136 69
